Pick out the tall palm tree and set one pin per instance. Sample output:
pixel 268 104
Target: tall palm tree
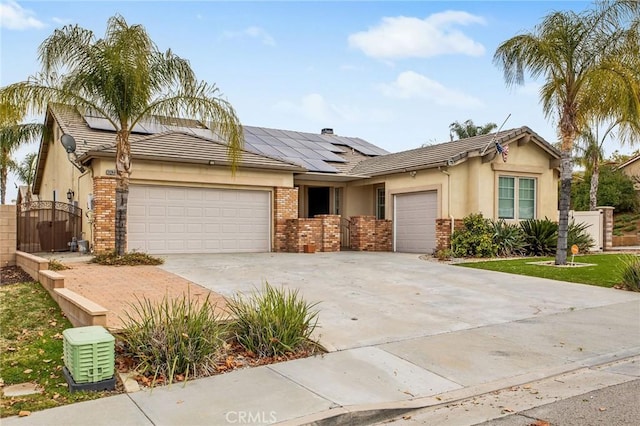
pixel 26 171
pixel 13 135
pixel 126 79
pixel 469 129
pixel 583 58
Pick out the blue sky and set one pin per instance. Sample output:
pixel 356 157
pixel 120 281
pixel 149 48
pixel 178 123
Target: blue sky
pixel 391 72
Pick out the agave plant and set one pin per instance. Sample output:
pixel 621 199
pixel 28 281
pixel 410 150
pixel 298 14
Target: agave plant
pixel 541 236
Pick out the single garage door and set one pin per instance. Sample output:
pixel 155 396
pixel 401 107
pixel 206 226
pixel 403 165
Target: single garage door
pixel 415 222
pixel 164 219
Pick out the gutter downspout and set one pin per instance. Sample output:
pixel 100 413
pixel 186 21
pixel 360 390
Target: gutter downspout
pixel 451 219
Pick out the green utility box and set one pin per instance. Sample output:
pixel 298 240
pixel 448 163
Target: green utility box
pixel 89 353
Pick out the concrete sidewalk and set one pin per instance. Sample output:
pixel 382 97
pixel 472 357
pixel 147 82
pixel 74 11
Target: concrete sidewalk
pixel 361 385
pixel 403 334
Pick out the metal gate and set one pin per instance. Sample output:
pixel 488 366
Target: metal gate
pixel 46 226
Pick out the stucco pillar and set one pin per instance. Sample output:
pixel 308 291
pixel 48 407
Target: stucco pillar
pixel 8 235
pixel 607 227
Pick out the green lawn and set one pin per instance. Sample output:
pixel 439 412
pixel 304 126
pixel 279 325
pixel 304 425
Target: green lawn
pixel 31 327
pixel 605 273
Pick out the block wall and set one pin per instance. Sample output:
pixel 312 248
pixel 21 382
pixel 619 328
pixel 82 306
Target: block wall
pixel 8 235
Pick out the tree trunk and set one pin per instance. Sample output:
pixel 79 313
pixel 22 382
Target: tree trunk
pixel 593 190
pixel 122 198
pixel 565 198
pixel 3 185
pixel 123 167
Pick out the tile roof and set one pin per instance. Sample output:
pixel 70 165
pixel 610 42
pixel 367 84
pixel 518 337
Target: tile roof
pixel 447 153
pixel 185 147
pixel 327 153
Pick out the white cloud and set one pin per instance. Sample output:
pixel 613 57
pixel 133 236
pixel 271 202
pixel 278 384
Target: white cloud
pixel 411 85
pixel 251 32
pixel 408 37
pixel 60 21
pixel 314 107
pixel 14 17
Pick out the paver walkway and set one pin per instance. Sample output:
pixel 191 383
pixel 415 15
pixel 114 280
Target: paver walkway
pixel 116 287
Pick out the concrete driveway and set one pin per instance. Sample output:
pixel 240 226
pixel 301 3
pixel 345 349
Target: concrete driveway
pixel 368 299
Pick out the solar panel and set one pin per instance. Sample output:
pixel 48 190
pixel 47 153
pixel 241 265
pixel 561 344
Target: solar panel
pixel 276 133
pixel 287 151
pixel 99 123
pixel 291 142
pixel 330 156
pixel 320 166
pixel 330 147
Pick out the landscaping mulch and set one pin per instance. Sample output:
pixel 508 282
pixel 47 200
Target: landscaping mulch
pixel 13 275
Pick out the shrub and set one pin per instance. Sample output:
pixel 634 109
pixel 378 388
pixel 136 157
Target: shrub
pixel 541 236
pixel 443 254
pixel 614 189
pixel 475 239
pixel 508 238
pixel 133 258
pixel 273 322
pixel 178 336
pixel 631 273
pixel 56 265
pixel 579 236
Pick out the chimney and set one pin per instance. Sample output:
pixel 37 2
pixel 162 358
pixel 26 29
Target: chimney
pixel 326 131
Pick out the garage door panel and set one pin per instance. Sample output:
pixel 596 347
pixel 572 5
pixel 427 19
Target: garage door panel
pixel 198 220
pixel 415 216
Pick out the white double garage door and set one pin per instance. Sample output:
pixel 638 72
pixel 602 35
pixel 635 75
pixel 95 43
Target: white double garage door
pixel 414 219
pixel 166 219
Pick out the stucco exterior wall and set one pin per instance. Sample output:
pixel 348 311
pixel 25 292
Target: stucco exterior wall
pixel 633 171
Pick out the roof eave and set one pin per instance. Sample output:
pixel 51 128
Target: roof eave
pixel 84 159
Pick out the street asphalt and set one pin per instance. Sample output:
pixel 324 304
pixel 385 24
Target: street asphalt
pixel 403 334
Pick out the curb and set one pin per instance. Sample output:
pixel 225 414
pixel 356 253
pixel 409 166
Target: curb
pixel 370 413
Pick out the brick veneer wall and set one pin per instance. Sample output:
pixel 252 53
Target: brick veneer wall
pixel 384 240
pixel 285 208
pixel 8 235
pixel 104 214
pixel 330 232
pixel 369 234
pixel 443 232
pixel 322 232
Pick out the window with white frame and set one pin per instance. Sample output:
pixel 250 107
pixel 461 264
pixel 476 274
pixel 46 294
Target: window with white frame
pixel 380 202
pixel 516 198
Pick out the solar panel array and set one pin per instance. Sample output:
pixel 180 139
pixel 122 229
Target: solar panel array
pixel 314 152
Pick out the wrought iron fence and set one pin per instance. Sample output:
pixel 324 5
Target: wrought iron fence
pixel 46 226
pixel 345 233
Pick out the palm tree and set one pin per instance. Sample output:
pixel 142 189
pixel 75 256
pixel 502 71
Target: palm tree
pixel 13 135
pixel 583 58
pixel 469 129
pixel 126 79
pixel 26 171
pixel 589 149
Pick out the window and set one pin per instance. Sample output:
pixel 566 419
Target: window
pixel 524 204
pixel 380 203
pixel 337 196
